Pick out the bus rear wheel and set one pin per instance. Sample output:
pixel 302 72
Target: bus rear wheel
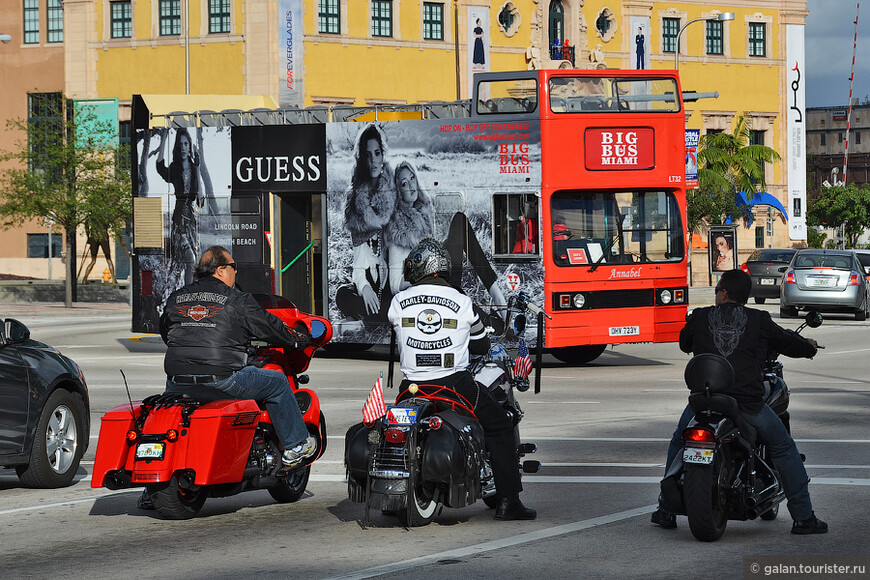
pixel 578 355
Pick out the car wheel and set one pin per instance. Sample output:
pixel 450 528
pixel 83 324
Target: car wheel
pixel 57 444
pixel 861 315
pixel 787 311
pixel 759 300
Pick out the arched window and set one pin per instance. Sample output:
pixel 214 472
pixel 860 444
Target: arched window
pixel 557 22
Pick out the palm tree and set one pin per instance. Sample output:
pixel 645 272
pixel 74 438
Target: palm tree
pixel 729 164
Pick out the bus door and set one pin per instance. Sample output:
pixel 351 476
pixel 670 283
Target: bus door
pixel 298 249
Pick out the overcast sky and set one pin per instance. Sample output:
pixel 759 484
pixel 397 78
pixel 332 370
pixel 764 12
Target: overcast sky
pixel 830 34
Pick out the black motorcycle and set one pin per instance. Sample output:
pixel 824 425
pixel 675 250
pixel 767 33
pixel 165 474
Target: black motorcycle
pixel 724 472
pixel 428 450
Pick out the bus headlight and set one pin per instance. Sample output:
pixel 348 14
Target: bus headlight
pixel 666 296
pixel 579 300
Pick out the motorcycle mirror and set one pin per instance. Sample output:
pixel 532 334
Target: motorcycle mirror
pixel 814 319
pixel 318 329
pixel 519 324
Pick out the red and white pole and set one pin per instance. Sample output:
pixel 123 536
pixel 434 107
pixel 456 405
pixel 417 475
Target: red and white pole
pixel 851 82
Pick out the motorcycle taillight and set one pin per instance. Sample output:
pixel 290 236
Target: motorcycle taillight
pixel 698 434
pixel 395 435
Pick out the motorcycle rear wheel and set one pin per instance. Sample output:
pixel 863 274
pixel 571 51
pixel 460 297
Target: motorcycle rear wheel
pixel 292 487
pixel 176 503
pixel 421 506
pixel 707 517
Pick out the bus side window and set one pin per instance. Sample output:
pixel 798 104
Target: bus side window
pixel 515 225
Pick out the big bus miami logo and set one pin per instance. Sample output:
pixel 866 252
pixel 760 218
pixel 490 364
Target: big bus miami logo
pixel 620 148
pixel 513 157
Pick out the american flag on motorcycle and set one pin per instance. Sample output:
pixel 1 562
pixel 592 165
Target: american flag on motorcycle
pixel 523 364
pixel 374 407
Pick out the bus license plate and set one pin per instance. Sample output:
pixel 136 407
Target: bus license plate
pixel 768 281
pixel 623 330
pixel 401 415
pixel 150 451
pixel 695 455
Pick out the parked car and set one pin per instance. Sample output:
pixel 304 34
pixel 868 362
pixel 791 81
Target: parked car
pixel 864 259
pixel 766 266
pixel 824 280
pixel 44 410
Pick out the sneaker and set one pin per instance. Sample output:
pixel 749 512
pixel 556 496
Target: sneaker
pixel 811 525
pixel 296 455
pixel 664 519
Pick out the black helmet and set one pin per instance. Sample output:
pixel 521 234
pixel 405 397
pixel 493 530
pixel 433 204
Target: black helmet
pixel 427 259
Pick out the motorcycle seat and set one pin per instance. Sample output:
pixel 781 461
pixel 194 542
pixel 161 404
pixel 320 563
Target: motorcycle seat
pixel 725 405
pixel 199 393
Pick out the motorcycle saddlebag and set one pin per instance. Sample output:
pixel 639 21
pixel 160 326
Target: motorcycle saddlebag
pixel 454 455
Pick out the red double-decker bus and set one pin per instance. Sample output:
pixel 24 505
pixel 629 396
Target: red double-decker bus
pixel 566 184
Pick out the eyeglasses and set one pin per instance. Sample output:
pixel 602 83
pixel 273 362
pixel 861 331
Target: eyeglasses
pixel 232 265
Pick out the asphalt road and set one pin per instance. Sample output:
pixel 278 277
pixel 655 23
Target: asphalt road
pixel 602 431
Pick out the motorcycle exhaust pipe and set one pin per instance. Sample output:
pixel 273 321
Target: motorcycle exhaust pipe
pixel 766 504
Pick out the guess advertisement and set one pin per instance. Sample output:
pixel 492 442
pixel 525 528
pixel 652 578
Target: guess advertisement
pixel 620 148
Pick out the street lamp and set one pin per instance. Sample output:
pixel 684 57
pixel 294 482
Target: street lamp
pixel 722 16
pixel 5 38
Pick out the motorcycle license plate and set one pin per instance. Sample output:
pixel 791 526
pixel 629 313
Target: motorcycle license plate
pixel 401 415
pixel 150 450
pixel 696 455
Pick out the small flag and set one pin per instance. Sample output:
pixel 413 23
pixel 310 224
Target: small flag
pixel 374 407
pixel 523 364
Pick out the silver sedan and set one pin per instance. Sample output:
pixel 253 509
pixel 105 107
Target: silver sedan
pixel 824 280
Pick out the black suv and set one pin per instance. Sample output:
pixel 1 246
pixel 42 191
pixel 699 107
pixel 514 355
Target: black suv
pixel 766 268
pixel 44 410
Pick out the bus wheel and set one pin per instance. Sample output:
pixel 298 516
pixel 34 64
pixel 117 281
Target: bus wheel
pixel 578 355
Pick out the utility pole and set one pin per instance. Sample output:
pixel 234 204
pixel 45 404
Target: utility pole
pixel 851 82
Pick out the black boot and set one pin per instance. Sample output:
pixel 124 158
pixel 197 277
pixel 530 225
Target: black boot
pixel 511 508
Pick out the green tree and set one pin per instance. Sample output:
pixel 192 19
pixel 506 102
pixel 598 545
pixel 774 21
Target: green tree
pixel 848 206
pixel 727 164
pixel 65 165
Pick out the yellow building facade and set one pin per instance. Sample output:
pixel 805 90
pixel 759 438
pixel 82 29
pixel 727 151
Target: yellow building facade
pixel 393 52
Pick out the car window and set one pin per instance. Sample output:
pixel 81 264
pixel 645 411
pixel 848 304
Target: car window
pixel 772 255
pixel 864 259
pixel 835 261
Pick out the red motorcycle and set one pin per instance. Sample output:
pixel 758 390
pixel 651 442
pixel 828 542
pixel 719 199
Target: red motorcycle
pixel 186 448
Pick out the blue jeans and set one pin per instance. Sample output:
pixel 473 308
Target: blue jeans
pixel 782 452
pixel 271 387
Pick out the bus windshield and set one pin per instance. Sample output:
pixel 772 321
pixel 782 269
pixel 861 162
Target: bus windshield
pixel 612 94
pixel 623 227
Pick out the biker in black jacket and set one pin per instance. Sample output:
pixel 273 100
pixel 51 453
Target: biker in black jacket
pixel 207 327
pixel 744 336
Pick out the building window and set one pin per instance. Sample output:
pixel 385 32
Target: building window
pixel 218 16
pixel 757 39
pixel 509 19
pixel 54 32
pixel 715 34
pixel 757 138
pixel 670 29
pixel 37 245
pixel 759 236
pixel 328 17
pixel 382 18
pixel 170 17
pixel 433 21
pixel 44 126
pixel 122 19
pixel 824 139
pixel 839 137
pixel 858 138
pixel 31 21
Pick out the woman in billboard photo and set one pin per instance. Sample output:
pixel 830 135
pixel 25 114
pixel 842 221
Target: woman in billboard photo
pixel 184 173
pixel 723 254
pixel 371 202
pixel 412 222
